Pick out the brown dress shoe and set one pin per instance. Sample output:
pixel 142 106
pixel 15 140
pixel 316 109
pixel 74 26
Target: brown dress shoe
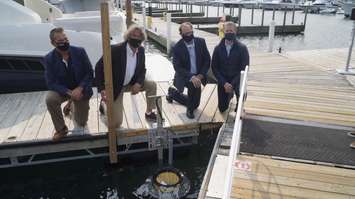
pixel 352 145
pixel 60 134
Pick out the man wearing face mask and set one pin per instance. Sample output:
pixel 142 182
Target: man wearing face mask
pixel 69 75
pixel 229 58
pixel 128 74
pixel 191 61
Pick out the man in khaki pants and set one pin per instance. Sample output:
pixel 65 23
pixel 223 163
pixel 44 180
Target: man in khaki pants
pixel 128 74
pixel 69 76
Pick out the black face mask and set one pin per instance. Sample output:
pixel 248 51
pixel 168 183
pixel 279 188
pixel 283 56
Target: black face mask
pixel 187 38
pixel 230 36
pixel 135 43
pixel 63 46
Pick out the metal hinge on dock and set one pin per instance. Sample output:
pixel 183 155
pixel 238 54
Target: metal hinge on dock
pixel 158 138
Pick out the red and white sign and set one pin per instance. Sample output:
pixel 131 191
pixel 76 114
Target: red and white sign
pixel 242 165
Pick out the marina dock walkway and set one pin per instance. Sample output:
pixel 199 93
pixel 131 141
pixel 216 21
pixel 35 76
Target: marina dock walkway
pixel 299 88
pixel 26 128
pixel 302 111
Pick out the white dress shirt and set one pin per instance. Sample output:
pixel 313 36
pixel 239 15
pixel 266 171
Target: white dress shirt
pixel 130 65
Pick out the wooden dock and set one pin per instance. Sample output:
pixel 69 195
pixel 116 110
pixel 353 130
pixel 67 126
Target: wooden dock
pixel 300 88
pixel 26 128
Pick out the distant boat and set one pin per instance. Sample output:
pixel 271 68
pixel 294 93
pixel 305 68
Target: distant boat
pixel 348 6
pixel 320 7
pixel 244 3
pixel 278 4
pixel 329 11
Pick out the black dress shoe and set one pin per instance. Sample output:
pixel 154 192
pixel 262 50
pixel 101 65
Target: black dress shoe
pixel 190 114
pixel 169 99
pixel 152 117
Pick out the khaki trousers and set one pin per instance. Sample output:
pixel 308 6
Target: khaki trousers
pixel 150 87
pixel 80 110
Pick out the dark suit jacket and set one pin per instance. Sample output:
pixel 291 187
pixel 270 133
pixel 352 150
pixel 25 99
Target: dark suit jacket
pixel 227 68
pixel 119 60
pixel 55 71
pixel 182 65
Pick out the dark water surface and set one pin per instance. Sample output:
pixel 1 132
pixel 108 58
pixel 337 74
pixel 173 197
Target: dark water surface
pixel 95 178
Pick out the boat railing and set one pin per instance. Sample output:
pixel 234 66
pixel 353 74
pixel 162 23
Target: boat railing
pixel 237 129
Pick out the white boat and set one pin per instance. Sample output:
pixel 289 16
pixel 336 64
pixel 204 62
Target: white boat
pixel 244 3
pixel 321 7
pixel 278 5
pixel 329 11
pixel 249 3
pixel 25 41
pixel 348 6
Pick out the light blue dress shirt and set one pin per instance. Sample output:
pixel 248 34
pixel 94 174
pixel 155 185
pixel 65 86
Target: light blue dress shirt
pixel 228 48
pixel 191 48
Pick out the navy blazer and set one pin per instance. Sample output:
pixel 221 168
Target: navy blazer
pixel 182 65
pixel 227 68
pixel 55 71
pixel 119 62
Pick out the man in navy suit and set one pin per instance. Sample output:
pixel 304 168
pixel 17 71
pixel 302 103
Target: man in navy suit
pixel 229 58
pixel 191 61
pixel 69 76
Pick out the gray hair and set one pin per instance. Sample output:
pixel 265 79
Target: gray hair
pixel 55 31
pixel 133 28
pixel 230 23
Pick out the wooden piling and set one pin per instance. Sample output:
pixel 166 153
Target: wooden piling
pixel 217 9
pixel 239 15
pixel 262 17
pixel 105 28
pixel 207 6
pixel 252 14
pixel 305 17
pixel 293 14
pixel 129 14
pixel 284 22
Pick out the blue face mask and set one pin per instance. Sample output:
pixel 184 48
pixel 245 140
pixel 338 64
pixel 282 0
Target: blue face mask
pixel 230 36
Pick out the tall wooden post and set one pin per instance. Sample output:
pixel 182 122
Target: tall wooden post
pixel 105 28
pixel 262 17
pixel 129 16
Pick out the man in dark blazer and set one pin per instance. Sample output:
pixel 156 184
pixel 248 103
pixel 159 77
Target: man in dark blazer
pixel 128 74
pixel 69 76
pixel 191 61
pixel 229 58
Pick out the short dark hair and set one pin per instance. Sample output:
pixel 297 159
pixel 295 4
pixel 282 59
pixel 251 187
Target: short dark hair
pixel 54 31
pixel 185 24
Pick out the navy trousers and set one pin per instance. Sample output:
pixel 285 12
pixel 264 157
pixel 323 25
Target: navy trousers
pixel 223 97
pixel 191 100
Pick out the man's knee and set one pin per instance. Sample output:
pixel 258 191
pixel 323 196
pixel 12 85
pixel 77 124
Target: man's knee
pixel 222 108
pixel 53 98
pixel 151 85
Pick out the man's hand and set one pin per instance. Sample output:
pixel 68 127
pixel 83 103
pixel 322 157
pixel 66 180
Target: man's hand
pixel 196 81
pixel 228 88
pixel 136 88
pixel 103 95
pixel 77 93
